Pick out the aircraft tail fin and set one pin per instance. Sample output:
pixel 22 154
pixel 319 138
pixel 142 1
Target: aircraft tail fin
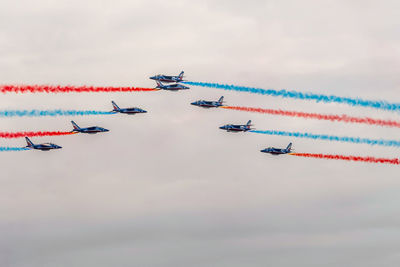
pixel 115 106
pixel 248 123
pixel 289 147
pixel 221 99
pixel 180 76
pixel 29 142
pixel 76 127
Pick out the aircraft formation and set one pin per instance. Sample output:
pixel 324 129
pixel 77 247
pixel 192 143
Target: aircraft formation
pixel 176 83
pixel 84 130
pixel 174 87
pixel 171 84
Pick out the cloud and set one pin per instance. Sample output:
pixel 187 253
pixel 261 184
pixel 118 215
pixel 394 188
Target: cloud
pixel 169 188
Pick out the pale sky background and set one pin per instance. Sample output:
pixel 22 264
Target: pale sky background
pixel 168 188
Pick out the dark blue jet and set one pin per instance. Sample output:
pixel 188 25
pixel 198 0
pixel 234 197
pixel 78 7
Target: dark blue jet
pixel 42 147
pixel 88 130
pixel 237 128
pixel 171 87
pixel 209 104
pixel 129 111
pixel 278 151
pixel 168 79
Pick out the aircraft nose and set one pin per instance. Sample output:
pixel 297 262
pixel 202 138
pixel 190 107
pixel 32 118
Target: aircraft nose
pixel 193 103
pixel 106 130
pixel 144 111
pixel 222 127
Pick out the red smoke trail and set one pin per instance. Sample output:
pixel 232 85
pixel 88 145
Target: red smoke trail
pixel 31 134
pixel 68 89
pixel 349 158
pixel 342 118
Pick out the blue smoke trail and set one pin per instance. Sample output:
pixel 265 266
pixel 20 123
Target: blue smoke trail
pixel 356 140
pixel 53 113
pixel 305 96
pixel 7 148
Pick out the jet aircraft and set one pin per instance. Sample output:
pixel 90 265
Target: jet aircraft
pixel 168 79
pixel 171 87
pixel 42 147
pixel 278 151
pixel 209 104
pixel 129 111
pixel 88 130
pixel 237 128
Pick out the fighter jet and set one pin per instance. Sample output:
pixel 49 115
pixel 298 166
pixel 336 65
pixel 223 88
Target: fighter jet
pixel 171 87
pixel 129 111
pixel 42 147
pixel 88 130
pixel 278 151
pixel 237 128
pixel 209 104
pixel 168 79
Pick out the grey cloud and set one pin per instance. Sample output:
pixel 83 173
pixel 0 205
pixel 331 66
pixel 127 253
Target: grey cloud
pixel 169 188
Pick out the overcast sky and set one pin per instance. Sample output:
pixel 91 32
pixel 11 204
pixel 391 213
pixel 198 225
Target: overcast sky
pixel 168 188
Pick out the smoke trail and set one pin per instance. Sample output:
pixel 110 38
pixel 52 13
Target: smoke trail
pixel 341 118
pixel 305 96
pixel 32 134
pixel 349 158
pixel 68 89
pixel 7 148
pixel 356 140
pixel 53 113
